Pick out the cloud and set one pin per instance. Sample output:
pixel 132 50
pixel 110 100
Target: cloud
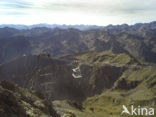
pixel 14 4
pixel 106 6
pixel 102 11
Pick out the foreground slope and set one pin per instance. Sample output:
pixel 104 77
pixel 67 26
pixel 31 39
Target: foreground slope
pixel 19 102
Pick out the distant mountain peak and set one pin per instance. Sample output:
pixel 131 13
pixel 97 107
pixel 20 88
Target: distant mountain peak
pixel 63 26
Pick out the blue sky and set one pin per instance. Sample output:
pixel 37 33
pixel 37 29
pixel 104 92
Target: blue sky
pixel 94 12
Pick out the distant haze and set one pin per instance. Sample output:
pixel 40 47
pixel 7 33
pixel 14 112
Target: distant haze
pixel 88 12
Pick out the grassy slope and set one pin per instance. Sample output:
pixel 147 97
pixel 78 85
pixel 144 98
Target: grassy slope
pixel 138 89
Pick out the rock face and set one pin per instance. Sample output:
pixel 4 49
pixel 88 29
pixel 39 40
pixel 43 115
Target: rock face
pixel 18 102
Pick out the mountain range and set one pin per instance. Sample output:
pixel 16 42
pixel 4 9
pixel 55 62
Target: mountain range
pixel 137 41
pixel 64 26
pixel 116 65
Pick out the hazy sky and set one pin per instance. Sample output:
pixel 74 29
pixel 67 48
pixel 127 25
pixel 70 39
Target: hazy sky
pixel 98 12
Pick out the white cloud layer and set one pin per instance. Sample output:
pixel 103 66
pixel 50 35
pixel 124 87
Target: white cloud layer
pixel 99 12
